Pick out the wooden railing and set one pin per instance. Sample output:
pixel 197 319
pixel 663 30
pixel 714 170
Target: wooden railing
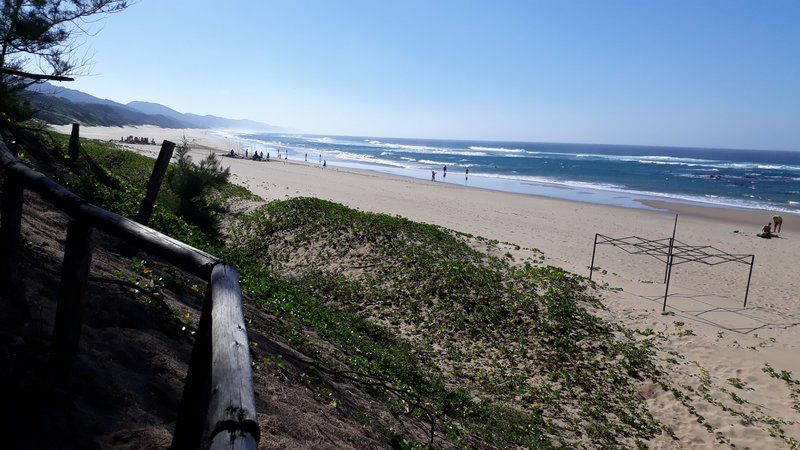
pixel 218 404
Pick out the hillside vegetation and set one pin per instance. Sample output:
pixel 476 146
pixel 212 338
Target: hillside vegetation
pixel 60 106
pixel 60 111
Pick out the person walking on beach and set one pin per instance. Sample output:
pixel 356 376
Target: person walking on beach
pixel 778 221
pixel 325 163
pixel 466 174
pixel 444 172
pixel 433 175
pixel 306 157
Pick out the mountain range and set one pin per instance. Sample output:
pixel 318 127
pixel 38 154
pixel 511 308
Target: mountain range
pixel 59 105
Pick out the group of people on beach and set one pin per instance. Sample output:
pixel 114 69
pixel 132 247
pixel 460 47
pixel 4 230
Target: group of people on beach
pixel 259 156
pixel 772 229
pixel 137 140
pixel 444 173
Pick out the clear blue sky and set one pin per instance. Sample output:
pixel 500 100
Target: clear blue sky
pixel 720 73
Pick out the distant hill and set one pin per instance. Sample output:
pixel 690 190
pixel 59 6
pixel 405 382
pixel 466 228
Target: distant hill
pixel 60 111
pixel 72 95
pixel 198 121
pixel 155 108
pixel 60 105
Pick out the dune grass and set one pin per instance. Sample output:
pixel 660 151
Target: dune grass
pixel 510 352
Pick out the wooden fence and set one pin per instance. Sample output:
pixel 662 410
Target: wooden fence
pixel 218 404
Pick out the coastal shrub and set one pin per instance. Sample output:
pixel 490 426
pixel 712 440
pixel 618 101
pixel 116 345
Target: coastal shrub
pixel 197 188
pixel 115 178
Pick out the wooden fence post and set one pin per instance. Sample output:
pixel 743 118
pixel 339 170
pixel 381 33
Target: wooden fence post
pixel 10 286
pixel 71 292
pixel 189 428
pixel 232 419
pixel 74 144
pixel 153 186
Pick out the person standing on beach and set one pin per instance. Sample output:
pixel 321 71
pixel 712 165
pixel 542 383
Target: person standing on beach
pixel 444 172
pixel 466 174
pixel 325 163
pixel 433 175
pixel 306 157
pixel 778 221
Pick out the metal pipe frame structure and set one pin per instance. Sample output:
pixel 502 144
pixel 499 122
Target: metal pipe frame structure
pixel 673 252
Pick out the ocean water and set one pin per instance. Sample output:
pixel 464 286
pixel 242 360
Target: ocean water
pixel 610 174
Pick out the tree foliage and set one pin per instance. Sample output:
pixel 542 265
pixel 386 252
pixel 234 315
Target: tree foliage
pixel 42 35
pixel 197 188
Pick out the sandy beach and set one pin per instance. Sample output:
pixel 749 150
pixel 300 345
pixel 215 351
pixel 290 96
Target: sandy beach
pixel 725 341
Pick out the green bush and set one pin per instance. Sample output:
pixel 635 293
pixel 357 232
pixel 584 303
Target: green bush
pixel 198 189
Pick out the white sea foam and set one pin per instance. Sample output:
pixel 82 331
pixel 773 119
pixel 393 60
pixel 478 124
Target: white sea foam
pixel 689 162
pixel 555 181
pixel 640 158
pixel 692 162
pixel 400 147
pixel 608 187
pixel 498 149
pixel 435 163
pixel 360 157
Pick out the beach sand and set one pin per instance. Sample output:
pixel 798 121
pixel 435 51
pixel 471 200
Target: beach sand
pixel 725 341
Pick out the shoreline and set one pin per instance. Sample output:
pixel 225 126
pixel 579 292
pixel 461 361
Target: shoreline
pixel 751 217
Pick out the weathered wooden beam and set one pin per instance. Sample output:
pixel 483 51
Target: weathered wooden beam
pixel 154 184
pixel 232 408
pixel 234 440
pixel 74 149
pixel 190 426
pixel 10 285
pixel 71 292
pixel 170 250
